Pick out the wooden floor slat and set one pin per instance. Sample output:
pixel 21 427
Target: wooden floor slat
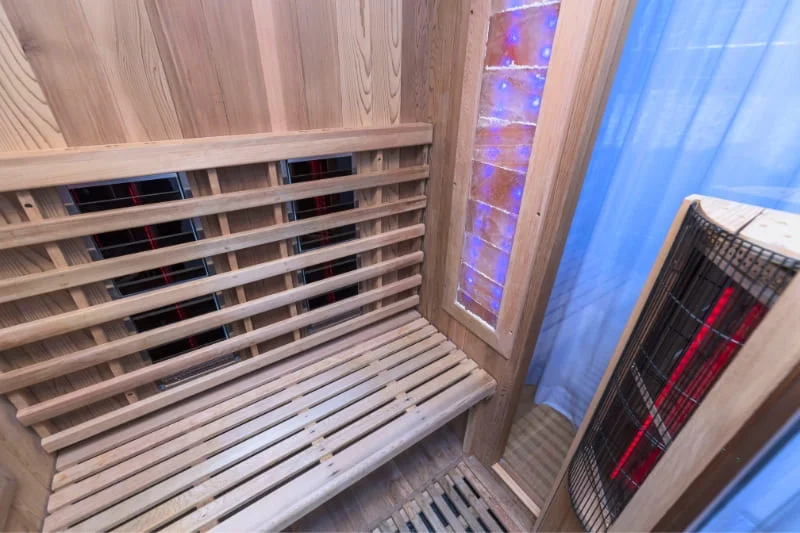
pixel 287 442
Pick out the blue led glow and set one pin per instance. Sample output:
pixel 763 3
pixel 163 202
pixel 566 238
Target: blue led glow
pixel 507 62
pixel 503 85
pixel 545 52
pixel 536 101
pixel 513 37
pixel 470 280
pixel 517 192
pixel 492 152
pixel 552 21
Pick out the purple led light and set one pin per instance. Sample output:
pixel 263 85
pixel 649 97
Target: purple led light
pixel 536 101
pixel 492 153
pixel 513 37
pixel 517 192
pixel 552 21
pixel 545 52
pixel 503 85
pixel 507 61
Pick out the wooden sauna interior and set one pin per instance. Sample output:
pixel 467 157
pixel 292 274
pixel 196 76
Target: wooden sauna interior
pixel 234 260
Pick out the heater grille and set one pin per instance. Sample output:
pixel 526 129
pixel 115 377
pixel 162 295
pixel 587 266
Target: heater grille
pixel 713 291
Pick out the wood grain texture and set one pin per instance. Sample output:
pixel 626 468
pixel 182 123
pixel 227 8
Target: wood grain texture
pixel 22 458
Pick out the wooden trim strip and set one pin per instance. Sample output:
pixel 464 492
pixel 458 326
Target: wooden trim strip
pixel 87 395
pixel 241 433
pixel 36 373
pixel 98 314
pixel 63 278
pixel 145 406
pixel 69 166
pixel 310 361
pixel 324 481
pixel 54 229
pixel 393 341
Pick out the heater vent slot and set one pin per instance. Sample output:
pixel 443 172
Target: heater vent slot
pixel 107 245
pixel 303 170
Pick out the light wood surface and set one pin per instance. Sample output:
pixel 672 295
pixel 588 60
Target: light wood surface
pixel 537 446
pixel 8 491
pixel 48 168
pixel 42 231
pixel 340 399
pixel 31 468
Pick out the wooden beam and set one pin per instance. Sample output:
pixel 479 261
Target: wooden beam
pixel 97 314
pixel 68 402
pixel 63 278
pixel 148 405
pixel 70 166
pixel 36 373
pixel 54 229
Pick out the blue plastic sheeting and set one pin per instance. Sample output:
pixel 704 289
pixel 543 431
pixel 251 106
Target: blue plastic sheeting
pixel 706 100
pixel 768 497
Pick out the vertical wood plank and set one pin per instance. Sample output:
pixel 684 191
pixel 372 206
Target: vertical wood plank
pixel 26 120
pixel 316 21
pixel 58 43
pixel 274 180
pixel 233 262
pixel 281 63
pixel 127 52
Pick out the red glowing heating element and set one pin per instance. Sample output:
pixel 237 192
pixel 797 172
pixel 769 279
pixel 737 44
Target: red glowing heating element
pixel 697 387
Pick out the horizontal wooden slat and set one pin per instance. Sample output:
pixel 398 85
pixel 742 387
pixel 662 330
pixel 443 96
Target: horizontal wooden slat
pixel 359 341
pixel 63 278
pixel 54 229
pixel 87 395
pixel 38 372
pixel 154 431
pixel 324 481
pixel 335 389
pixel 47 168
pixel 268 451
pixel 145 406
pixel 98 314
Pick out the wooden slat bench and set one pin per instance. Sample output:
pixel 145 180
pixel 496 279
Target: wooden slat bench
pixel 294 403
pixel 272 453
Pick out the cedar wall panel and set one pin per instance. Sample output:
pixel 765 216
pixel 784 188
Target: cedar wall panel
pixel 22 459
pixel 88 72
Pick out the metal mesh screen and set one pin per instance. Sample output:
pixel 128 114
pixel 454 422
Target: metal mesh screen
pixel 713 291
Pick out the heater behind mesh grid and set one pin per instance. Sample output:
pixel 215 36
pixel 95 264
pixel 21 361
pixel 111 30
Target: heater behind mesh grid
pixel 117 194
pixel 713 291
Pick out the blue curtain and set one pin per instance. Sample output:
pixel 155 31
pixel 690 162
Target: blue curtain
pixel 706 100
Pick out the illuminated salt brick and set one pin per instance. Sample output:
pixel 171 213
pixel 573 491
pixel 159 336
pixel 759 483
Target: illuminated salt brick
pixel 476 309
pixel 485 258
pixel 522 37
pixel 505 5
pixel 491 224
pixel 504 145
pixel 497 186
pixel 511 95
pixel 480 288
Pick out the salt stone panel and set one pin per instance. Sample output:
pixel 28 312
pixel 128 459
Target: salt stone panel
pixel 504 145
pixel 480 288
pixel 497 186
pixel 485 258
pixel 512 95
pixel 522 37
pixel 476 309
pixel 491 224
